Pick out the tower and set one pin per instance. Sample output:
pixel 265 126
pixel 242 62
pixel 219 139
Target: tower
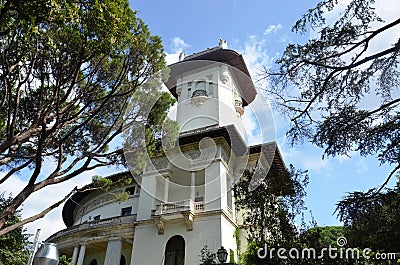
pixel 183 199
pixel 188 188
pixel 212 88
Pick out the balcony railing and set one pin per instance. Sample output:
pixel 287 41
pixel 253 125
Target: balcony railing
pixel 199 93
pixel 96 224
pixel 181 206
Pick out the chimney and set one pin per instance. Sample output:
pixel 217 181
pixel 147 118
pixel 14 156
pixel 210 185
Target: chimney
pixel 181 56
pixel 223 44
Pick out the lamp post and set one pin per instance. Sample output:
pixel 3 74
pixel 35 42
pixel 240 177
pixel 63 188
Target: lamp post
pixel 222 255
pixel 47 254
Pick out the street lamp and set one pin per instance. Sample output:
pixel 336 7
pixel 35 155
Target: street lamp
pixel 222 254
pixel 47 254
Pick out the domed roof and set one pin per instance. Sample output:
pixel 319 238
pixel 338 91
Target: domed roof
pixel 73 201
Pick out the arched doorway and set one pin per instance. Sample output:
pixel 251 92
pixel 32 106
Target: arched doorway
pixel 175 251
pixel 123 260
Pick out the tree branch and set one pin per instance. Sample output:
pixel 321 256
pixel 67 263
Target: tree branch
pixel 36 216
pixel 394 49
pixel 387 179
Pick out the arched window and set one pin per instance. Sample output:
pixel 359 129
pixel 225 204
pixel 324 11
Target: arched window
pixel 93 262
pixel 175 251
pixel 123 260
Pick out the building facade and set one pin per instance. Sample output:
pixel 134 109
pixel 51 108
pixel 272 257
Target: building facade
pixel 183 199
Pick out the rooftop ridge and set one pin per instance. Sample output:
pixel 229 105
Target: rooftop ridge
pixel 196 54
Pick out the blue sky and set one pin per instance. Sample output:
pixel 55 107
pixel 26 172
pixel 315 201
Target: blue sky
pixel 259 30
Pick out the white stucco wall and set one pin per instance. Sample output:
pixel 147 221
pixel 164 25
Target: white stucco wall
pixel 146 199
pixel 217 108
pixel 215 186
pixel 126 252
pixel 105 209
pixel 213 231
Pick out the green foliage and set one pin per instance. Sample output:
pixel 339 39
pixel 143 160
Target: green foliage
pixel 325 235
pixel 122 196
pixel 207 257
pixel 231 256
pixel 63 260
pixel 104 184
pixel 270 220
pixel 271 209
pixel 101 182
pixel 250 257
pixel 322 85
pixel 13 244
pixel 68 71
pixel 372 220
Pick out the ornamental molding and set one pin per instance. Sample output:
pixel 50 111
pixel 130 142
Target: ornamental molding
pixel 160 224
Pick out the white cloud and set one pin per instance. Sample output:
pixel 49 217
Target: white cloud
pixel 171 58
pixel 343 158
pixel 177 46
pixel 42 199
pixel 255 55
pixel 259 122
pixel 257 119
pixel 284 39
pixel 272 29
pixel 253 133
pixel 305 157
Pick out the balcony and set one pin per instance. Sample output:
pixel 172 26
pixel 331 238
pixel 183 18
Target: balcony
pixel 199 96
pixel 199 93
pixel 177 207
pixel 88 228
pixel 183 209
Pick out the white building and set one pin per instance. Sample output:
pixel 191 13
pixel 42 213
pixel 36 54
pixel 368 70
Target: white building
pixel 183 200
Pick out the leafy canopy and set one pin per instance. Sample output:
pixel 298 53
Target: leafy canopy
pixel 67 71
pixel 340 88
pixel 13 245
pixel 372 221
pixel 270 211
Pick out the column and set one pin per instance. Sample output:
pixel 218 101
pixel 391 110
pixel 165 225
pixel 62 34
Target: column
pixel 113 253
pixel 192 185
pixel 81 254
pixel 147 197
pixel 166 188
pixel 75 254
